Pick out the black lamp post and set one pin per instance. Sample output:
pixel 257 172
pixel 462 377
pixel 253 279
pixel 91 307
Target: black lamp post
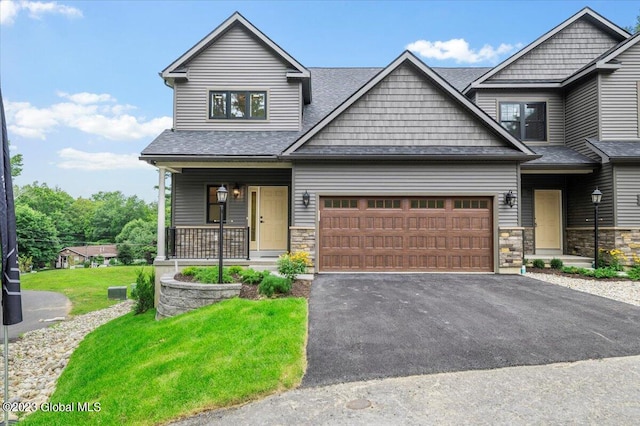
pixel 222 200
pixel 596 197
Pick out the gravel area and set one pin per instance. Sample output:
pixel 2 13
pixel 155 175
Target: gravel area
pixel 622 291
pixel 38 358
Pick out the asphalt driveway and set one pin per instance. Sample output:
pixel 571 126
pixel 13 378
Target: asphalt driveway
pixel 367 326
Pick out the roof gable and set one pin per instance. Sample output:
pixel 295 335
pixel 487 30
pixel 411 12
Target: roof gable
pixel 374 91
pixel 175 70
pixel 546 58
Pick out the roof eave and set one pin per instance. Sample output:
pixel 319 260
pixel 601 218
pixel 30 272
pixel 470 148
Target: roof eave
pixel 427 157
pixel 155 158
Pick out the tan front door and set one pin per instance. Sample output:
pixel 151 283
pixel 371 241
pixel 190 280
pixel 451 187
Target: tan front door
pixel 268 211
pixel 548 219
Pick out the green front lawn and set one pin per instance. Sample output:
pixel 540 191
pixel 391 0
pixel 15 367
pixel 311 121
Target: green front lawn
pixel 86 288
pixel 143 371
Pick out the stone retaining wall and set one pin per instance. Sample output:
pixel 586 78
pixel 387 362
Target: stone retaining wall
pixel 580 242
pixel 178 297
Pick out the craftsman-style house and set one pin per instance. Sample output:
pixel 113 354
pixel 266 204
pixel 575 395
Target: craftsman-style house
pixel 406 167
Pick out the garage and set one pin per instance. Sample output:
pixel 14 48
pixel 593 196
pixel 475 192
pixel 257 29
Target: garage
pixel 406 234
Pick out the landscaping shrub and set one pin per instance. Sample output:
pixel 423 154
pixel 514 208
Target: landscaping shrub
pixel 273 284
pixel 573 270
pixel 143 292
pixel 235 269
pixel 538 263
pixel 556 263
pixel 251 276
pixel 634 273
pixel 291 265
pixel 207 274
pixel 608 272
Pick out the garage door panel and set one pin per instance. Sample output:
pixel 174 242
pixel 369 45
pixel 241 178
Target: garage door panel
pixel 406 234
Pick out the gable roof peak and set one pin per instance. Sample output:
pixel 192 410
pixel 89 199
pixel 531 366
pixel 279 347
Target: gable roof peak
pixel 586 12
pixel 173 70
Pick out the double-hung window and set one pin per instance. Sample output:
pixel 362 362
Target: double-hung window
pixel 525 120
pixel 238 104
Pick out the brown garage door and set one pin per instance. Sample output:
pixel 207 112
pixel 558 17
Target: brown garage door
pixel 406 234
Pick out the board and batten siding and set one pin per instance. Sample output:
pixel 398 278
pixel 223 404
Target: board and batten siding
pixel 190 192
pixel 402 179
pixel 489 100
pixel 581 112
pixel 561 55
pixel 237 61
pixel 619 98
pixel 627 178
pixel 405 109
pixel 580 208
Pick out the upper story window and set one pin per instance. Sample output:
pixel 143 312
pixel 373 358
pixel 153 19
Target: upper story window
pixel 238 104
pixel 525 120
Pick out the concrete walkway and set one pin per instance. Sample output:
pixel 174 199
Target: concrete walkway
pixel 603 392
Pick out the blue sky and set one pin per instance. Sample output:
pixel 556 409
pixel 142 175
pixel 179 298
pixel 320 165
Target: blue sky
pixel 80 78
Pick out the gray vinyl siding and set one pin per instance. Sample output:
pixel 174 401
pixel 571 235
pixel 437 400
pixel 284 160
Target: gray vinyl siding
pixel 402 179
pixel 619 98
pixel 237 61
pixel 190 192
pixel 405 109
pixel 580 208
pixel 581 112
pixel 488 100
pixel 627 179
pixel 561 55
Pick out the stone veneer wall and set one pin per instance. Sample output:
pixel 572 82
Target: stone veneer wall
pixel 304 239
pixel 529 241
pixel 580 242
pixel 510 249
pixel 179 297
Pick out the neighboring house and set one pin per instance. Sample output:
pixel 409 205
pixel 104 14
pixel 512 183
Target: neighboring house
pixel 406 167
pixel 71 256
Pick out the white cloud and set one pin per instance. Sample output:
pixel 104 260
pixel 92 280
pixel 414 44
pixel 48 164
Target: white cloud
pixel 9 10
pixel 74 159
pixel 95 114
pixel 458 49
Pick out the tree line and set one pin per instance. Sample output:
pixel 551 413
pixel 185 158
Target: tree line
pixel 49 219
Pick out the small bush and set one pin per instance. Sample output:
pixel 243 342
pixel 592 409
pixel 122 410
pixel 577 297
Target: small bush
pixel 235 269
pixel 143 293
pixel 634 273
pixel 273 284
pixel 538 263
pixel 556 263
pixel 609 272
pixel 573 270
pixel 250 276
pixel 291 265
pixel 189 271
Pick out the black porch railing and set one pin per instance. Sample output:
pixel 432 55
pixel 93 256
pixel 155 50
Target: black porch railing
pixel 202 243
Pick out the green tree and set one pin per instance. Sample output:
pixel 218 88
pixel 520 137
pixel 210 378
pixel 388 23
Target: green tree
pixel 140 235
pixel 635 28
pixel 125 253
pixel 81 214
pixel 16 165
pixel 113 211
pixel 37 237
pixel 55 204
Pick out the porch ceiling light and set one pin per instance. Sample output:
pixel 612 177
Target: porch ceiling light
pixel 222 195
pixel 510 199
pixel 596 197
pixel 236 191
pixel 306 198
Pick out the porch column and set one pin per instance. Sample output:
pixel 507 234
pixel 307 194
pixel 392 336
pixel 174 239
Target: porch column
pixel 161 215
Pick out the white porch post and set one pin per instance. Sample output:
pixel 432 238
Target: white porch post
pixel 161 214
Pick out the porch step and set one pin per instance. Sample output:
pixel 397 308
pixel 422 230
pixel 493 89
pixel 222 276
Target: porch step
pixel 567 260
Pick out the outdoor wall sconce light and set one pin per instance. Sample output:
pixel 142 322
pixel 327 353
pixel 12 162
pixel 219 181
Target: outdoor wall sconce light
pixel 305 199
pixel 236 191
pixel 510 199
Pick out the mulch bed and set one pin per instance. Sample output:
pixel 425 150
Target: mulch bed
pixel 582 277
pixel 300 288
